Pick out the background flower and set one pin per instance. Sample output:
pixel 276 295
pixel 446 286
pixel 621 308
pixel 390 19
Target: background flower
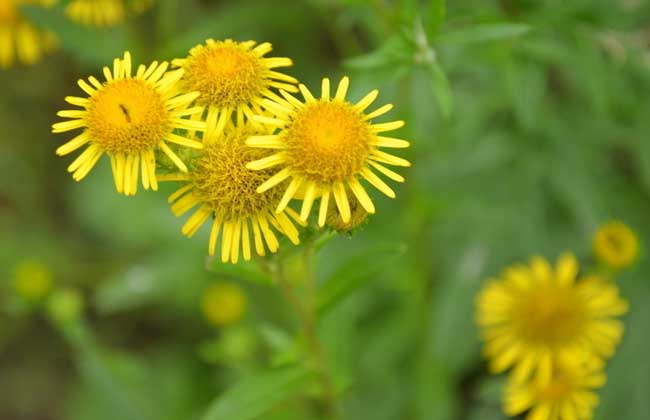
pixel 528 123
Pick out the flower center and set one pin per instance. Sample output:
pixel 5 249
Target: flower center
pixel 127 116
pixel 328 141
pixel 549 315
pixel 223 182
pixel 8 12
pixel 226 75
pixel 616 243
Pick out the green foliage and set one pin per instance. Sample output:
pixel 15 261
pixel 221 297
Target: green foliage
pixel 528 123
pixel 251 398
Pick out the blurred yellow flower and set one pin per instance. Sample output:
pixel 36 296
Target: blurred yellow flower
pixel 616 245
pixel 536 314
pixel 129 117
pixel 233 77
pixel 99 13
pixel 224 189
pixel 327 146
pixel 32 280
pixel 103 13
pixel 223 304
pixel 19 39
pixel 567 395
pixel 65 305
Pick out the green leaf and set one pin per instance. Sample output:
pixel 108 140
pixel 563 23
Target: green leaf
pixel 441 89
pixel 93 46
pixel 108 374
pixel 243 271
pixel 436 16
pixel 356 272
pixel 483 33
pixel 395 51
pixel 255 395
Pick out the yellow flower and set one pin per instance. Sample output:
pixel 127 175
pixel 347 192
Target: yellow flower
pixel 327 146
pixel 100 13
pixel 139 6
pixel 129 117
pixel 224 189
pixel 567 395
pixel 616 245
pixel 223 304
pixel 536 314
pixel 103 13
pixel 233 77
pixel 65 306
pixel 19 39
pixel 32 280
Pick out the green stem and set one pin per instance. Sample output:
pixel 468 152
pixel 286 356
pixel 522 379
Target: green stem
pixel 306 312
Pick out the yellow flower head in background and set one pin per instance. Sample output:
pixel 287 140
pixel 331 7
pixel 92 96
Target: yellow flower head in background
pixel 233 77
pixel 32 280
pixel 535 314
pixel 327 145
pixel 19 39
pixel 225 190
pixel 223 304
pixel 104 13
pixel 567 395
pixel 139 6
pixel 100 13
pixel 616 245
pixel 129 117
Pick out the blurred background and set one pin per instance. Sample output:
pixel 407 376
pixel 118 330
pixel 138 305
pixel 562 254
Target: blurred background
pixel 529 124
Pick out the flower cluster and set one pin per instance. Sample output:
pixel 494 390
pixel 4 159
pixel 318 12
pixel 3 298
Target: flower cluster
pixel 23 41
pixel 554 327
pixel 239 141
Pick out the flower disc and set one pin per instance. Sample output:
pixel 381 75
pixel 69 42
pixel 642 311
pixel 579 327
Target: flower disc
pixel 127 116
pixel 226 191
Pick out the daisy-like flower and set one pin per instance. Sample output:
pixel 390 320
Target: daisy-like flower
pixel 233 77
pixel 535 314
pixel 19 39
pixel 326 146
pixel 225 190
pixel 129 117
pixel 616 245
pixel 567 395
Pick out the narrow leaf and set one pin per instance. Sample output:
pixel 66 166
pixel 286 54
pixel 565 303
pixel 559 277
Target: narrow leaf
pixel 356 272
pixel 441 89
pixel 254 396
pixel 483 33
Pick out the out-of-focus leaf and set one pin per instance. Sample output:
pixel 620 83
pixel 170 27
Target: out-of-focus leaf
pixel 441 89
pixel 286 349
pixel 254 396
pixel 355 272
pixel 109 375
pixel 483 33
pixel 435 16
pixel 242 271
pixel 395 52
pixel 93 46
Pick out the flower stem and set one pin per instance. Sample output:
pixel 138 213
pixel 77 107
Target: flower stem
pixel 306 311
